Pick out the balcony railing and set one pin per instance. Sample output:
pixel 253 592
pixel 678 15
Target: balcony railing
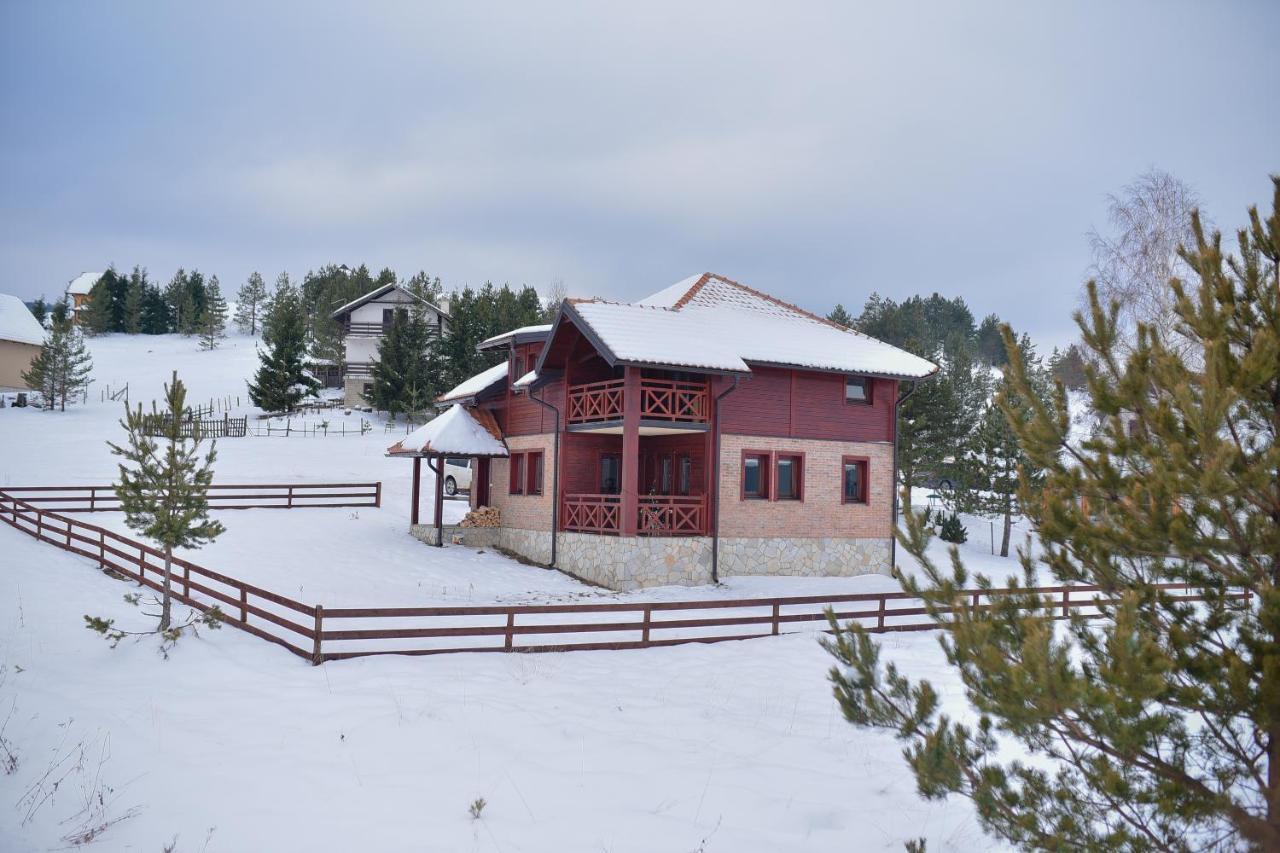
pixel 366 330
pixel 672 515
pixel 358 368
pixel 591 513
pixel 657 515
pixel 660 400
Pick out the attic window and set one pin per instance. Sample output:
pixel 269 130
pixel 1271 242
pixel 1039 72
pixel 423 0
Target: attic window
pixel 857 389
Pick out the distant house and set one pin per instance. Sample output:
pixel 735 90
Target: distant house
pixel 78 290
pixel 709 429
pixel 21 339
pixel 364 322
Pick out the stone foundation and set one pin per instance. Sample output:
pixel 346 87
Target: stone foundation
pixel 635 562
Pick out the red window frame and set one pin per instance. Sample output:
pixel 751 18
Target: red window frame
pixel 765 461
pixel 864 463
pixel 868 384
pixel 515 482
pixel 533 472
pixel 797 476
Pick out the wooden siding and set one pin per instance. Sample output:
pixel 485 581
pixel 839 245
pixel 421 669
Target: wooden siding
pixel 806 404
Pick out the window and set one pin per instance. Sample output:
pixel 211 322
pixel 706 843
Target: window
pixel 790 477
pixel 686 475
pixel 664 475
pixel 755 476
pixel 853 488
pixel 857 389
pixel 516 486
pixel 533 466
pixel 610 474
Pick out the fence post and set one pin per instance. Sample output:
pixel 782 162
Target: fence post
pixel 93 497
pixel 1066 602
pixel 186 581
pixel 880 614
pixel 644 632
pixel 511 623
pixel 68 534
pixel 244 606
pixel 102 549
pixel 776 609
pixel 39 524
pixel 291 497
pixel 142 564
pixel 377 493
pixel 316 657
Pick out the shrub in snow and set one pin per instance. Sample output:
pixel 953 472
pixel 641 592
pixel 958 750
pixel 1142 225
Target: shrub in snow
pixel 951 530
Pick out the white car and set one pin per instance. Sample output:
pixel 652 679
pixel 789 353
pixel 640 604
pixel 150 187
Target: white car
pixel 457 475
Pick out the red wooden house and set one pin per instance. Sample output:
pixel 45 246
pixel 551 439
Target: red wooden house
pixel 708 430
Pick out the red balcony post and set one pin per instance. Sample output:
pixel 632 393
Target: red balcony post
pixel 630 450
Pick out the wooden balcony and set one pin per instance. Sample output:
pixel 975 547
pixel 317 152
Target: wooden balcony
pixel 366 330
pixel 658 515
pixel 600 406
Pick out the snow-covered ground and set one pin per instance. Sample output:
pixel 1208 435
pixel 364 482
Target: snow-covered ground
pixel 233 744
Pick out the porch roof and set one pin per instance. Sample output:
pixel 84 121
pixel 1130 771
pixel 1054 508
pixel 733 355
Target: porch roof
pixel 457 432
pixel 491 378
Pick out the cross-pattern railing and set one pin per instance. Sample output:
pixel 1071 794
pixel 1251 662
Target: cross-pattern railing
pixel 595 401
pixel 591 513
pixel 663 400
pixel 672 515
pixel 660 400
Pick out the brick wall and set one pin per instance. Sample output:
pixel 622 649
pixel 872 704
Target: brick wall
pixel 527 512
pixel 820 513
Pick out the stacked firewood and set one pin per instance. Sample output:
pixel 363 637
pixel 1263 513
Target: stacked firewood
pixel 485 516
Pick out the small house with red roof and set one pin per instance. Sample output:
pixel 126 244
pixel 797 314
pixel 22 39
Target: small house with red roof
pixel 706 431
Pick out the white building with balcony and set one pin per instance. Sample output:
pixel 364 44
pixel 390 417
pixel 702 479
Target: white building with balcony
pixel 364 322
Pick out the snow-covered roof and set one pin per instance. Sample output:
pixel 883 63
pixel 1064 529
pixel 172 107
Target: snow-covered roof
pixel 473 386
pixel 382 291
pixel 83 283
pixel 526 380
pixel 456 432
pixel 709 322
pixel 522 335
pixel 17 323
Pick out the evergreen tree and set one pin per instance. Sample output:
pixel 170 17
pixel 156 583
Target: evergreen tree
pixel 250 304
pixel 177 300
pixel 61 311
pixel 155 311
pixel 164 482
pixel 994 462
pixel 1068 367
pixel 40 310
pixel 213 319
pixel 841 316
pixel 104 312
pixel 134 301
pixel 1156 725
pixel 327 344
pixel 281 380
pixel 61 369
pixel 990 343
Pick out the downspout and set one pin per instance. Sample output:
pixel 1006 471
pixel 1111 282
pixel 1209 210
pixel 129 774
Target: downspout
pixel 438 470
pixel 715 527
pixel 893 538
pixel 555 476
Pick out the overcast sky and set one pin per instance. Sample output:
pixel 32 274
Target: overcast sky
pixel 818 152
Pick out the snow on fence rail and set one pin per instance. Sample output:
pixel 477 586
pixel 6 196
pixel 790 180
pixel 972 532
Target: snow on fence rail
pixel 320 634
pixel 221 496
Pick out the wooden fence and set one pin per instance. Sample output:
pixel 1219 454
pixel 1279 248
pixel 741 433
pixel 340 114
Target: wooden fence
pixel 320 634
pixel 224 427
pixel 221 496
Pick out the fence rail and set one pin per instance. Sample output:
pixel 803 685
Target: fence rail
pixel 321 634
pixel 207 427
pixel 77 499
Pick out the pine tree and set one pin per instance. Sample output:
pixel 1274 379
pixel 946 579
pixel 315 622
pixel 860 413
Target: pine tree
pixel 74 366
pixel 42 374
pixel 841 316
pixel 177 300
pixel 40 310
pixel 1156 725
pixel 135 301
pixel 61 311
pixel 213 319
pixel 994 462
pixel 990 343
pixel 327 344
pixel 281 380
pixel 164 483
pixel 251 303
pixel 98 316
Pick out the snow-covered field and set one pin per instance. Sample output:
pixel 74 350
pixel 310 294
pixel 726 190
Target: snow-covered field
pixel 233 744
